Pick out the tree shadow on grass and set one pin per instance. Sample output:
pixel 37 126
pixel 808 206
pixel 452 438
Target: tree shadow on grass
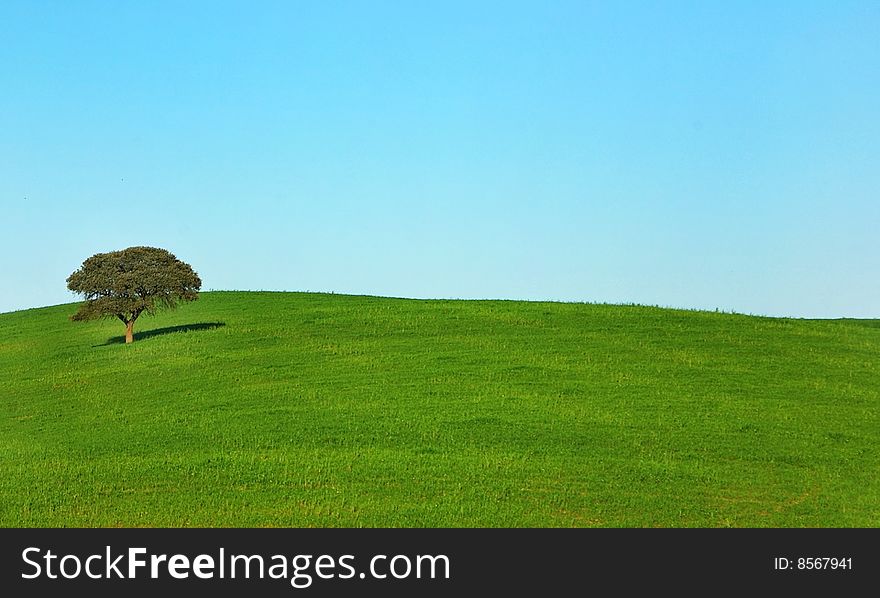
pixel 140 336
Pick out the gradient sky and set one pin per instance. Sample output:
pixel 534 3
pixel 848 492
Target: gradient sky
pixel 712 155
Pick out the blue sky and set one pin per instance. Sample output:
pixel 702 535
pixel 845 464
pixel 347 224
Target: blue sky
pixel 711 155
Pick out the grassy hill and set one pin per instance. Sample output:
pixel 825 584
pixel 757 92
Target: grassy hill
pixel 293 409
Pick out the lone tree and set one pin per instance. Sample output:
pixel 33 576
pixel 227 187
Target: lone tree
pixel 124 284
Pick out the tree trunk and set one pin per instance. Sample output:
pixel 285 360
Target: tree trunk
pixel 129 336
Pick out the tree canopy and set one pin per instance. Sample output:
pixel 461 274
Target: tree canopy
pixel 126 283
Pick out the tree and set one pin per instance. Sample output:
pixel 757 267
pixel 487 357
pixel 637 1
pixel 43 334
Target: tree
pixel 124 284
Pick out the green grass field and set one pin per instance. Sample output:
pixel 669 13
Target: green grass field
pixel 295 410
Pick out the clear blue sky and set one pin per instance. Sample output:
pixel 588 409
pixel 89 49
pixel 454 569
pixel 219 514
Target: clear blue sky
pixel 689 154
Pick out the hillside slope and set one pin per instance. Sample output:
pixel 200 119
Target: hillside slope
pixel 294 409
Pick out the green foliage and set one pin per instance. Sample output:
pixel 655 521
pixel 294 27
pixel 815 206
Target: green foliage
pixel 309 410
pixel 123 284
